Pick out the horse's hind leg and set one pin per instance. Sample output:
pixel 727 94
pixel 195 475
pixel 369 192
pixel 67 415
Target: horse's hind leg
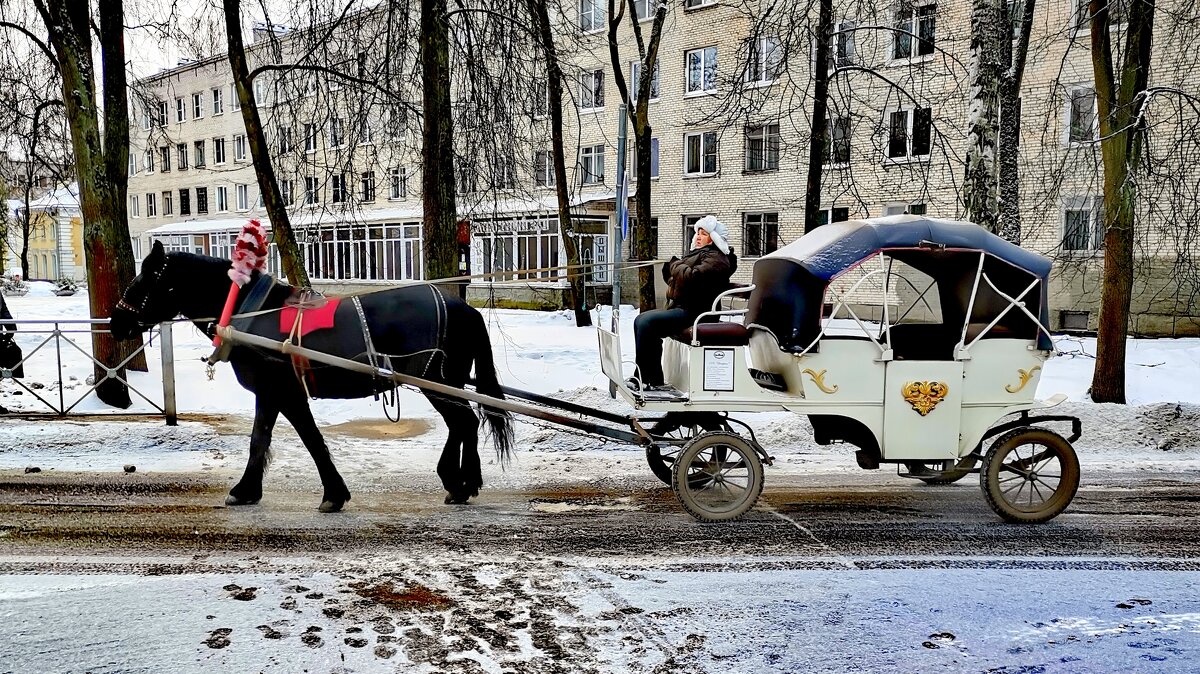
pixel 248 490
pixel 336 494
pixel 460 425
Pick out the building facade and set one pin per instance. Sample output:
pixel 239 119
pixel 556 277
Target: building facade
pixel 729 109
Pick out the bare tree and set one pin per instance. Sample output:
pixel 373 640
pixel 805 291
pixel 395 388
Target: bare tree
pixel 101 151
pixel 639 113
pixel 1121 98
pixel 437 164
pixel 980 179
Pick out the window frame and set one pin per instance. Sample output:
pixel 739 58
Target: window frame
pixel 337 188
pixel 909 138
pixel 202 201
pixel 688 92
pixel 366 184
pixel 198 105
pixel 220 157
pixel 398 183
pixel 151 205
pixel 180 110
pixel 655 82
pixel 716 154
pixel 222 199
pixel 218 99
pixel 765 247
pixel 543 169
pixel 239 147
pixel 597 17
pixel 1069 139
pixel 589 155
pixel 199 154
pixel 241 195
pixel 832 141
pixel 181 156
pixel 762 133
pixel 761 66
pixel 167 203
pixel 1094 207
pixel 594 78
pixel 912 25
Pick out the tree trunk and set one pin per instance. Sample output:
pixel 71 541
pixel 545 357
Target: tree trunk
pixel 576 297
pixel 282 234
pixel 980 179
pixel 1012 61
pixel 437 145
pixel 1121 132
pixel 817 146
pixel 101 166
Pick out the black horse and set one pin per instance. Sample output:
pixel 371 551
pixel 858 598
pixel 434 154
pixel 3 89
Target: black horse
pixel 416 330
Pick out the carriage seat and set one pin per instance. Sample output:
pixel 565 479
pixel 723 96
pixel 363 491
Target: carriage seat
pixel 717 334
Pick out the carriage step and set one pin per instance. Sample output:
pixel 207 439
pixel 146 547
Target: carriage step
pixel 658 394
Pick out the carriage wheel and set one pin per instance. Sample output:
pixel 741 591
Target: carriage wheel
pixel 942 472
pixel 718 477
pixel 1029 475
pixel 680 426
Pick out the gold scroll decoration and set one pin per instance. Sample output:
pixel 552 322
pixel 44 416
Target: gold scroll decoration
pixel 1025 376
pixel 924 395
pixel 819 379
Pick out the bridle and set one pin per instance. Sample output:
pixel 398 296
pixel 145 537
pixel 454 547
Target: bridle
pixel 139 312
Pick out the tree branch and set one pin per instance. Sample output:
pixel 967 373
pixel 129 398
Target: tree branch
pixel 45 48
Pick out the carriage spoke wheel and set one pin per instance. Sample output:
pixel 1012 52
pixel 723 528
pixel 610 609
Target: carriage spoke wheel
pixel 679 427
pixel 1029 475
pixel 718 477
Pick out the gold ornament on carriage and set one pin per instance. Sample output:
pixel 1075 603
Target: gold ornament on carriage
pixel 924 395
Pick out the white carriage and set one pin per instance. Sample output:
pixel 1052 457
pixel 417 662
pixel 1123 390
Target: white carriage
pixel 917 340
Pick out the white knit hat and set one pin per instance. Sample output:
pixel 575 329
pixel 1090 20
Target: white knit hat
pixel 716 231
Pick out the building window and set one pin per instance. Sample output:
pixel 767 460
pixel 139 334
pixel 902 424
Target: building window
pixel 134 211
pixel 162 114
pixel 310 137
pixel 837 141
pixel 337 132
pixel 635 77
pixel 197 106
pixel 398 183
pixel 185 202
pixel 543 168
pixel 914 19
pixel 833 214
pixel 285 140
pixel 504 172
pixel 132 163
pixel 841 44
pixel 180 111
pixel 541 99
pixel 166 204
pixel 149 161
pixel 202 200
pixel 506 246
pixel 287 191
pixel 909 133
pixel 653 160
pixel 591 90
pixel 1083 224
pixel 218 99
pixel 164 159
pixel 1082 123
pixel 1015 11
pixel 239 148
pixel 222 199
pixel 765 60
pixel 262 92
pixel 367 186
pixel 762 148
pixel 390 251
pixel 644 9
pixel 591 162
pixel 591 15
pixel 181 156
pixel 338 188
pixel 465 178
pixel 1075 321
pixel 904 209
pixel 312 190
pixel 235 102
pixel 366 134
pixel 691 4
pixel 219 151
pixel 147 117
pixel 760 234
pixel 700 153
pixel 198 154
pixel 701 67
pixel 243 197
pixel 151 205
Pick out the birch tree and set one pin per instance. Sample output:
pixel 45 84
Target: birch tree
pixel 980 191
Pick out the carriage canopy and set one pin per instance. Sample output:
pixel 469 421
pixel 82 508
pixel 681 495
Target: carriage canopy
pixel 973 269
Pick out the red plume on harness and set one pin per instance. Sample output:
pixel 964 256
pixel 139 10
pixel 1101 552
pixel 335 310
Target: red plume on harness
pixel 249 253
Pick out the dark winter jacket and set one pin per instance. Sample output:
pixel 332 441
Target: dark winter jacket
pixel 5 315
pixel 695 280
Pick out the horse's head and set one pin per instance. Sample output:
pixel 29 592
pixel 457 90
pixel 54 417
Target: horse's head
pixel 148 300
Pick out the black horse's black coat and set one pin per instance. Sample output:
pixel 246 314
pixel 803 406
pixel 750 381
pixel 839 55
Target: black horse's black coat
pixel 417 330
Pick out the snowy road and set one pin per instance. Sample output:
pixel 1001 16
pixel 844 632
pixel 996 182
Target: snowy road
pixel 833 572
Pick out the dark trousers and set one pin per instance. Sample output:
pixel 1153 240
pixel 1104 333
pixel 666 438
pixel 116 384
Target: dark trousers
pixel 649 330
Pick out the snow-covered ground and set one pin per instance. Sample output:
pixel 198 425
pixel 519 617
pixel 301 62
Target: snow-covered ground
pixel 542 352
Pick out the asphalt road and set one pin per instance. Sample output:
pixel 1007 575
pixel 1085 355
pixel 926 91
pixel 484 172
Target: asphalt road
pixel 832 572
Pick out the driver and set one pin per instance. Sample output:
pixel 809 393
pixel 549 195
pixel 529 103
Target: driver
pixel 693 282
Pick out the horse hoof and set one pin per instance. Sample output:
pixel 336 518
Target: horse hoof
pixel 232 500
pixel 456 499
pixel 331 506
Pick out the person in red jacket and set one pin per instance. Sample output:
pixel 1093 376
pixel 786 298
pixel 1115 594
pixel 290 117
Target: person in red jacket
pixel 693 282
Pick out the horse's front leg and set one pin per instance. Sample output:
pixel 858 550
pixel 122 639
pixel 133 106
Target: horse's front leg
pixel 248 490
pixel 336 494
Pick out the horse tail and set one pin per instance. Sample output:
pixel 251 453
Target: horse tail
pixel 499 421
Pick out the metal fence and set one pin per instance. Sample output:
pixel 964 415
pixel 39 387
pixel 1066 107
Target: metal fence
pixel 54 338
